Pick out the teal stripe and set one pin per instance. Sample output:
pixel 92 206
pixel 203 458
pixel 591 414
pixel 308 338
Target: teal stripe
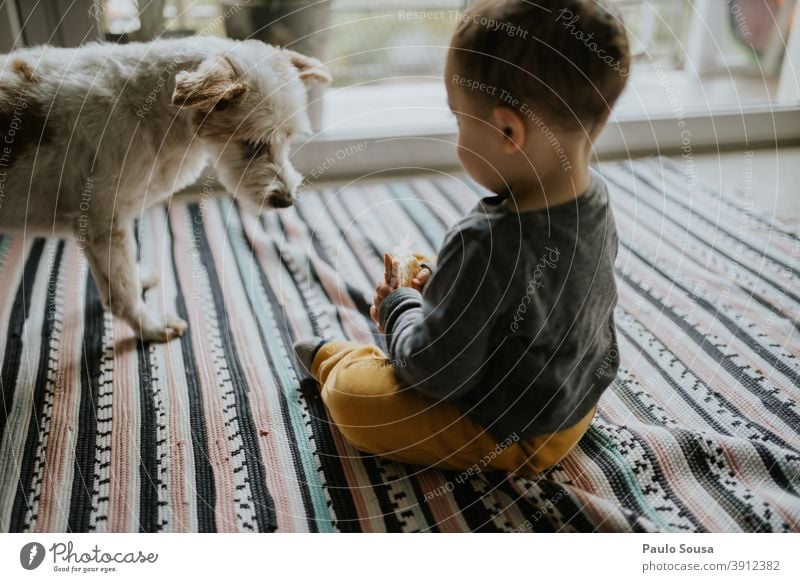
pixel 5 244
pixel 265 316
pixel 609 448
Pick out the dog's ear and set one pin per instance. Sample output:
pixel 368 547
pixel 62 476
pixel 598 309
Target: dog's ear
pixel 215 80
pixel 311 70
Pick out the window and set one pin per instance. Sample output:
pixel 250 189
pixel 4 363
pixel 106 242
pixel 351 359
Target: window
pixel 697 59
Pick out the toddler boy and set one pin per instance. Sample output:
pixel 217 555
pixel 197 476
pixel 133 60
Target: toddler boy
pixel 499 353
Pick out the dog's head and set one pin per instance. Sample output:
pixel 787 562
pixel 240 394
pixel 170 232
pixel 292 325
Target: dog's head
pixel 250 105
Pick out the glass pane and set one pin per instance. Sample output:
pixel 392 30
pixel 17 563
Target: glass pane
pixel 395 40
pixel 694 54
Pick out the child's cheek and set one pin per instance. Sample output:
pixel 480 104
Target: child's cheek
pixel 470 162
pixel 468 154
pixel 476 165
pixel 464 156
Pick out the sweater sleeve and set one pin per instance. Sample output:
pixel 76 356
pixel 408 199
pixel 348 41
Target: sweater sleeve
pixel 438 341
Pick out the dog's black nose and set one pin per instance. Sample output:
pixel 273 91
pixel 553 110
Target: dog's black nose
pixel 280 201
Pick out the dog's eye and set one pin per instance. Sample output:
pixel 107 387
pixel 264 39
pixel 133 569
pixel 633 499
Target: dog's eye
pixel 221 105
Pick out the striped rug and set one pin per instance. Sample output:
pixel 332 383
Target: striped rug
pixel 216 432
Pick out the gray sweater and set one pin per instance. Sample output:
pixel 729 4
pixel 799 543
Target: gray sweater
pixel 515 327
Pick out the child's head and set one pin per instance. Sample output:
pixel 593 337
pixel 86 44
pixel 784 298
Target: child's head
pixel 532 84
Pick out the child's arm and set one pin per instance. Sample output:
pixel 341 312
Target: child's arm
pixel 439 341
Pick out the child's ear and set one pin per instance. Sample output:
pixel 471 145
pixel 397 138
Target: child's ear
pixel 513 128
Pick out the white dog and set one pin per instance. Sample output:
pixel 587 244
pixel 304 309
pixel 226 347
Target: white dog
pixel 91 136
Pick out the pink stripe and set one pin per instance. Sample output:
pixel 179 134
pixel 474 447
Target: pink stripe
pixel 683 483
pixel 358 481
pixel 445 511
pixel 676 472
pixel 318 214
pixel 673 405
pixel 346 452
pixel 761 238
pixel 707 323
pixel 355 244
pixel 699 363
pixel 727 211
pixel 180 446
pixel 772 495
pixel 384 203
pixel 334 287
pixel 358 245
pixel 218 446
pixel 711 272
pixel 122 504
pixel 461 194
pixel 179 441
pixel 9 282
pixel 362 493
pixel 370 514
pixel 739 304
pixel 588 492
pixel 379 201
pixel 263 392
pixel 63 426
pixel 436 202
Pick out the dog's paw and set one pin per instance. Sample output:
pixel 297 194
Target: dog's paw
pixel 147 278
pixel 170 328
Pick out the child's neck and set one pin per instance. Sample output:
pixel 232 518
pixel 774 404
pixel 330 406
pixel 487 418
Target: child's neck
pixel 557 186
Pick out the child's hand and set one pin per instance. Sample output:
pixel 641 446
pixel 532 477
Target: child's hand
pixel 382 291
pixel 422 277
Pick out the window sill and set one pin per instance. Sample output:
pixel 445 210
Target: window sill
pixel 408 125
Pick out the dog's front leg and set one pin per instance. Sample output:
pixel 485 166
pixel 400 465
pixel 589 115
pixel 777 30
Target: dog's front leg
pixel 112 257
pixel 148 278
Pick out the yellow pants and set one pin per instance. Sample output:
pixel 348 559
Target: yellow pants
pixel 378 414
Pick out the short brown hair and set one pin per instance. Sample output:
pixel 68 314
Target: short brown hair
pixel 567 59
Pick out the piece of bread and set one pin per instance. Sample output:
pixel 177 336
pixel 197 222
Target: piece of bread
pixel 400 269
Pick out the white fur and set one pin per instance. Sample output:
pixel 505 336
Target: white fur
pixel 121 138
